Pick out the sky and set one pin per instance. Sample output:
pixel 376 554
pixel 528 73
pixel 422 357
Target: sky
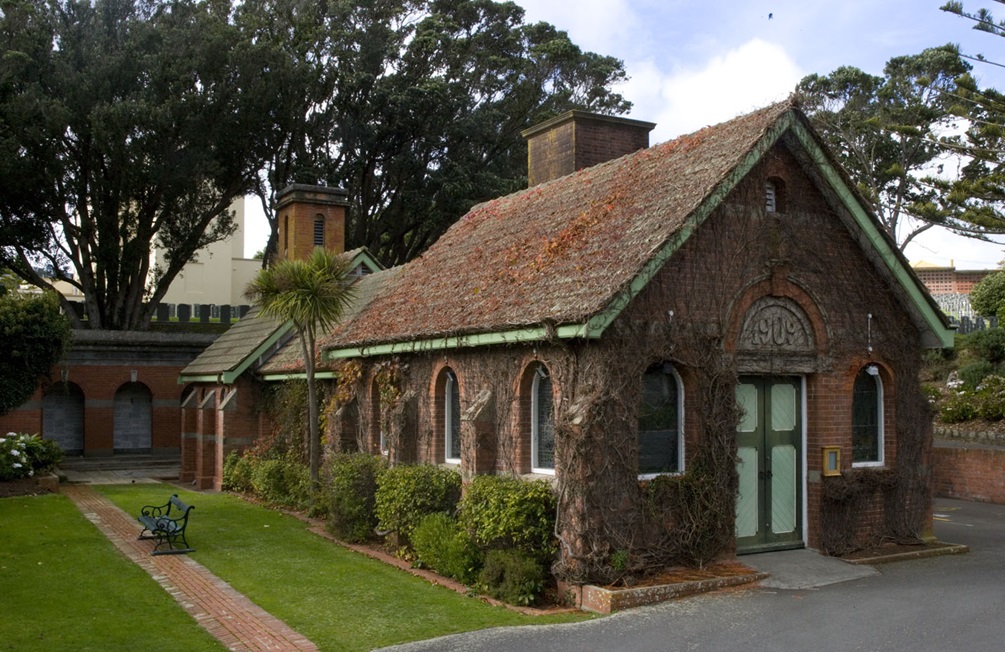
pixel 693 64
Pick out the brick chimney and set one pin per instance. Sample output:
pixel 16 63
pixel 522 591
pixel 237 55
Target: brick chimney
pixel 576 140
pixel 309 217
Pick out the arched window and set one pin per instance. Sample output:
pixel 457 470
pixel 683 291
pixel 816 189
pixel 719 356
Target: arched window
pixel 774 195
pixel 867 418
pixel 542 427
pixel 319 230
pixel 452 419
pixel 661 445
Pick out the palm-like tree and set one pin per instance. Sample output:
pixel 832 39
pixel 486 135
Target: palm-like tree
pixel 312 294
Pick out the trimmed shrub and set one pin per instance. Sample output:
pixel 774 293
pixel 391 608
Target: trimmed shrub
pixel 988 344
pixel 352 492
pixel 441 545
pixel 407 494
pixel 512 576
pixel 282 482
pixel 506 512
pixel 237 473
pixel 974 373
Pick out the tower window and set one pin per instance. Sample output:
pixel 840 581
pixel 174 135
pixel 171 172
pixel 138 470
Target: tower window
pixel 319 231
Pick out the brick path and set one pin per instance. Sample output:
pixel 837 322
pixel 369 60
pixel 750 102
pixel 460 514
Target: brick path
pixel 226 614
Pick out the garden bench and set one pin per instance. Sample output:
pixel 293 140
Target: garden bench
pixel 165 527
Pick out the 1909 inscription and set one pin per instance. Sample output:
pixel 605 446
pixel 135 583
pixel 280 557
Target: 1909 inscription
pixel 775 323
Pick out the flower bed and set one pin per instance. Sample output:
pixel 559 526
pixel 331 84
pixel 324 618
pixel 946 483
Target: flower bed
pixel 25 464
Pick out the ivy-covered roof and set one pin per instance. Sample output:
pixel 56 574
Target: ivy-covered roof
pixel 564 257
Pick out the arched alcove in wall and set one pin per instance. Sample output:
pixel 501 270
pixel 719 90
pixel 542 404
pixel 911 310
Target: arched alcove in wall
pixel 131 420
pixel 63 416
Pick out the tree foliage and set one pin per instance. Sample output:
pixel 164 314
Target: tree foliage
pixel 312 294
pixel 988 296
pixel 35 336
pixel 920 152
pixel 124 124
pixel 416 106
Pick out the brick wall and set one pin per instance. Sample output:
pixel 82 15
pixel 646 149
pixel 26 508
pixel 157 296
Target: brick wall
pixel 103 364
pixel 969 473
pixel 804 254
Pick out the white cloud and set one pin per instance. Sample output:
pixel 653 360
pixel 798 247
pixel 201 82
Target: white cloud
pixel 601 26
pixel 745 78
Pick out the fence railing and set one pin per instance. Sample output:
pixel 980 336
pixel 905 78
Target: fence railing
pixel 186 313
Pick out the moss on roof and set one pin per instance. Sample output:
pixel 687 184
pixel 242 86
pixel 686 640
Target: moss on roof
pixel 559 252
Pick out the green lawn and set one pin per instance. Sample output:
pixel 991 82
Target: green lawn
pixel 339 599
pixel 64 586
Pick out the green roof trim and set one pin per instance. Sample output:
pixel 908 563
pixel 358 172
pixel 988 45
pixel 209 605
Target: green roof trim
pixel 596 325
pixel 364 258
pixel 299 375
pixel 944 334
pixel 519 336
pixel 599 322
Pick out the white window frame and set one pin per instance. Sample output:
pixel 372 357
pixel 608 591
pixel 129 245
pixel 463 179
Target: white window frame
pixel 771 196
pixel 680 429
pixel 873 371
pixel 539 373
pixel 451 456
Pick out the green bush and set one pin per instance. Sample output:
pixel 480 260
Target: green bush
pixel 237 473
pixel 991 398
pixel 352 491
pixel 512 576
pixel 35 336
pixel 506 512
pixel 959 406
pixel 22 455
pixel 974 373
pixel 43 454
pixel 988 344
pixel 441 545
pixel 282 482
pixel 407 494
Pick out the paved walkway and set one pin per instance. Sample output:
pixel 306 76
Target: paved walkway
pixel 226 614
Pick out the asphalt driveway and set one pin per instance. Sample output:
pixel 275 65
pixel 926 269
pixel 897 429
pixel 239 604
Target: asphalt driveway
pixel 954 602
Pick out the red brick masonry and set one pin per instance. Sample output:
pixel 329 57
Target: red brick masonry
pixel 970 472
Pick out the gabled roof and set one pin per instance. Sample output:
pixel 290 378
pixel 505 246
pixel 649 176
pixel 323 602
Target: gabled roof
pixel 254 339
pixel 564 258
pixel 288 362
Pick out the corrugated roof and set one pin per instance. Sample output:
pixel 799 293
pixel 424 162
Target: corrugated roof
pixel 559 252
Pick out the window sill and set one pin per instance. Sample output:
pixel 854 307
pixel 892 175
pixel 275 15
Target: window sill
pixel 536 475
pixel 651 476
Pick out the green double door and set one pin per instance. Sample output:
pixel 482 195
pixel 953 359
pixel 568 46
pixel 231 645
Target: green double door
pixel 769 463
